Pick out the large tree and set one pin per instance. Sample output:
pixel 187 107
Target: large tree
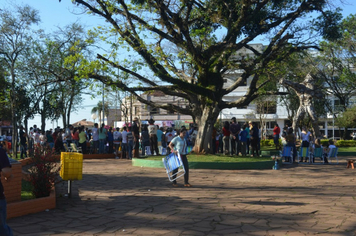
pixel 15 39
pixel 337 62
pixel 188 46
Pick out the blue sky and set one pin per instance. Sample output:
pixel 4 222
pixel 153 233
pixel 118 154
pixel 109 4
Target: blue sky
pixel 58 14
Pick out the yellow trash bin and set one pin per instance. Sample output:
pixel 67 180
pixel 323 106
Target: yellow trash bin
pixel 71 166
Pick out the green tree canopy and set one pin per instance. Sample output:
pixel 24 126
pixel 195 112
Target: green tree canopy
pixel 185 48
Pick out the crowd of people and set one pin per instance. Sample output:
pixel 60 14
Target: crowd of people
pixel 308 140
pixel 238 140
pixel 124 142
pixel 134 139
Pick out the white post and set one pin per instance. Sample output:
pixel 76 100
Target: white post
pixel 333 117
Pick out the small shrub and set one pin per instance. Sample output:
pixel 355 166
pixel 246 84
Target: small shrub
pixel 346 143
pixel 43 172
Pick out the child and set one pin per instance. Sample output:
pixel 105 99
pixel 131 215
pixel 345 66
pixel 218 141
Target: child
pixel 327 150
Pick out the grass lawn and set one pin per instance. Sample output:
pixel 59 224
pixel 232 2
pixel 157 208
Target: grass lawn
pixel 26 191
pixel 215 158
pixel 223 158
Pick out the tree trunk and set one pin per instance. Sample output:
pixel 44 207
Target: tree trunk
pixel 64 118
pixel 203 142
pixel 13 114
pixel 43 120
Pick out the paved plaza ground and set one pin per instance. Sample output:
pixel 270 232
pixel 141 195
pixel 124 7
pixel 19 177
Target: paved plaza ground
pixel 115 198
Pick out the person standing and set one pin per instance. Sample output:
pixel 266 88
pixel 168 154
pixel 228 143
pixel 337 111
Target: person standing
pixel 152 131
pixel 234 136
pixel 145 139
pixel 75 136
pixel 276 132
pixel 31 141
pixel 68 134
pixel 23 142
pixel 110 136
pixel 248 137
pixel 136 136
pixel 290 138
pixel 95 134
pixel 82 139
pixel 5 170
pixel 130 142
pixel 124 143
pixel 49 138
pixel 226 137
pixel 243 140
pixel 117 141
pixel 179 145
pixel 254 134
pixel 159 136
pixel 169 137
pixel 102 139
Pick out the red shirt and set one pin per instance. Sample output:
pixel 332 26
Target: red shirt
pixel 75 136
pixel 226 132
pixel 276 130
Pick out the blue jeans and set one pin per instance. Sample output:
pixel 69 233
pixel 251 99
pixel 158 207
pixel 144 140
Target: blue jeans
pixel 129 148
pixel 294 150
pixel 23 150
pixel 123 150
pixel 4 228
pixel 95 146
pixel 102 145
pixel 186 168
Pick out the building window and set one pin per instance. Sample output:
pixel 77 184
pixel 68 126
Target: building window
pixel 154 111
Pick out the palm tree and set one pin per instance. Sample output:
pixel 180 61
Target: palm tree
pixel 98 109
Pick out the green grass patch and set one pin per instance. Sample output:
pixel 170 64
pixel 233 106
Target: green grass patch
pixel 215 158
pixel 347 149
pixel 26 191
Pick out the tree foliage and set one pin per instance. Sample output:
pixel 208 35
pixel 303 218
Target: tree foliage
pixel 15 39
pixel 189 46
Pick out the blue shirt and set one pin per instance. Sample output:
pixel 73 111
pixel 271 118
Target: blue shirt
pixel 110 136
pixel 180 145
pixel 159 135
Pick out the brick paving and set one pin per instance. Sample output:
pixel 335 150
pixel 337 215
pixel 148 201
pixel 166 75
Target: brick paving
pixel 115 198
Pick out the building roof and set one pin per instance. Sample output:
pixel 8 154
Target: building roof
pixel 84 123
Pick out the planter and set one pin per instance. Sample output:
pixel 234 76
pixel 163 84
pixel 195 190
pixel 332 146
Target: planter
pixel 21 208
pixel 12 188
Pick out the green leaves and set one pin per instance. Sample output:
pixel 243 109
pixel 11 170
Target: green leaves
pixel 328 24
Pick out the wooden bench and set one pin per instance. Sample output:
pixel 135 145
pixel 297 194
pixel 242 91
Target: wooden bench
pixel 350 162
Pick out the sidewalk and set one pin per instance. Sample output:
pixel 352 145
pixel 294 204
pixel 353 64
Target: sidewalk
pixel 115 198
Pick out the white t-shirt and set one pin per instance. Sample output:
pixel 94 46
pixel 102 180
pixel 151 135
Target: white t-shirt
pixel 37 137
pixel 169 136
pixel 95 134
pixel 124 136
pixel 117 137
pixel 305 137
pixel 152 129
